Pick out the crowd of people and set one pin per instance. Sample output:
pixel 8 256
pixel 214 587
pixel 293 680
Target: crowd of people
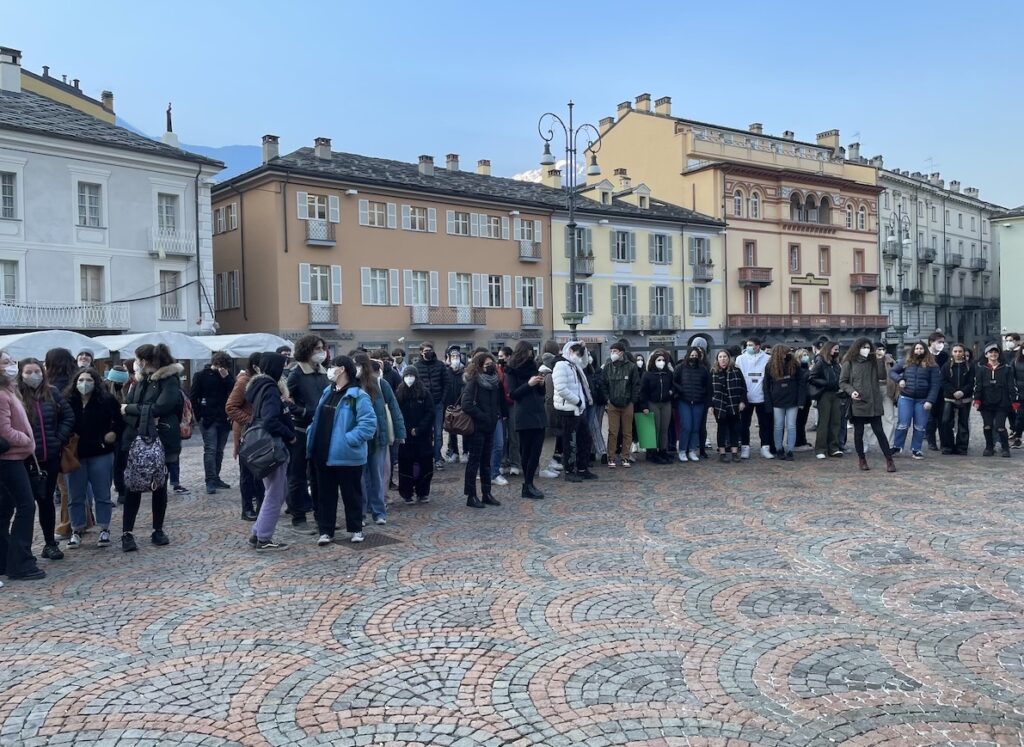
pixel 73 438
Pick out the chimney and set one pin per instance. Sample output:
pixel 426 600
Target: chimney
pixel 916 175
pixel 876 161
pixel 643 102
pixel 954 185
pixel 322 148
pixel 75 83
pixel 624 180
pixel 624 107
pixel 10 70
pixel 933 178
pixel 663 106
pixel 427 165
pixel 107 99
pixel 756 127
pixel 46 71
pixel 483 167
pixel 854 151
pixel 552 178
pixel 828 139
pixel 452 161
pixel 605 124
pixel 270 148
pixel 788 135
pixel 842 152
pixel 971 192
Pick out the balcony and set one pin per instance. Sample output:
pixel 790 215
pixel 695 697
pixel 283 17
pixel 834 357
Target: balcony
pixel 529 251
pixel 954 260
pixel 863 281
pixel 447 317
pixel 926 255
pixel 170 312
pixel 973 302
pixel 626 322
pixel 166 243
pixel 110 316
pixel 943 299
pixel 915 297
pixel 703 273
pixel 810 322
pixel 533 318
pixel 323 316
pixel 891 253
pixel 319 233
pixel 978 264
pixel 660 323
pixel 584 266
pixel 755 277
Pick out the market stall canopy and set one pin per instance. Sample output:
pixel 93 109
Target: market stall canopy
pixel 242 346
pixel 35 344
pixel 182 347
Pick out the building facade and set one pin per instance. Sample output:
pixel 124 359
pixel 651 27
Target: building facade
pixel 1008 230
pixel 949 255
pixel 801 251
pixel 101 230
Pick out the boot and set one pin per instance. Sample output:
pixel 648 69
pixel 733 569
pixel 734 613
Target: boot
pixel 1004 441
pixel 862 462
pixel 530 491
pixel 490 500
pixel 890 465
pixel 473 502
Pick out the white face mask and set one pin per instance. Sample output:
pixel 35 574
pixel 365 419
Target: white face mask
pixel 577 359
pixel 34 381
pixel 659 364
pixel 639 364
pixel 332 374
pixel 939 346
pixel 409 381
pixel 616 355
pixel 359 371
pixel 318 358
pixel 86 386
pixel 1008 345
pixel 866 352
pixel 138 368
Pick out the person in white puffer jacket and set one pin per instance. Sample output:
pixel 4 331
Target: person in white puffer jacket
pixel 752 363
pixel 571 399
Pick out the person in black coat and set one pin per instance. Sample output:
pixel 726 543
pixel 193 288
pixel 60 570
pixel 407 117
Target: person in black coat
pixel 209 394
pixel 453 396
pixel 823 387
pixel 692 383
pixel 484 401
pixel 995 394
pixel 656 395
pixel 785 390
pixel 415 454
pixel 306 383
pixel 434 375
pixel 957 390
pixel 526 386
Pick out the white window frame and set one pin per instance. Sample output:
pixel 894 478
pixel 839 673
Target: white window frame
pixel 660 248
pixel 232 216
pixel 527 230
pixel 527 293
pixel 862 219
pixel 755 205
pixel 314 203
pixel 219 220
pixel 178 297
pixel 661 303
pixel 15 275
pixel 320 284
pixel 15 166
pixel 378 277
pixel 168 211
pixel 700 301
pixel 376 214
pixel 83 234
pixel 493 288
pixel 104 284
pixel 417 218
pixel 8 195
pixel 737 204
pixel 420 286
pixel 463 289
pixel 621 247
pixel 90 215
pixel 460 224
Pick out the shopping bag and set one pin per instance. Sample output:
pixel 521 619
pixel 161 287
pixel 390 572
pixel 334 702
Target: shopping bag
pixel 646 433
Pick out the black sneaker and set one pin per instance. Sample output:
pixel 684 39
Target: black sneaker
pixel 270 545
pixel 588 475
pixel 159 538
pixel 736 456
pixel 573 477
pixel 298 521
pixel 249 515
pixel 35 575
pixel 988 452
pixel 252 540
pixel 180 489
pixel 221 484
pixel 723 457
pixel 52 552
pixel 409 501
pixel 211 489
pixel 128 542
pixel 1006 452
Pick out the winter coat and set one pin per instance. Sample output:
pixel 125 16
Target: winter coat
pixel 530 410
pixel 692 383
pixel 435 376
pixel 598 385
pixel 418 415
pixel 390 375
pixel 209 396
pixel 623 381
pixel 861 376
pixel 922 382
pixel 1018 374
pixel 728 391
pixel 995 388
pixel 52 423
pixel 271 410
pixel 14 428
pixel 753 368
pixel 306 384
pixel 655 386
pixel 354 426
pixel 158 394
pixel 93 422
pixel 238 410
pixel 786 391
pixel 958 377
pixel 823 377
pixel 571 393
pixel 453 390
pixel 485 406
pixel 384 403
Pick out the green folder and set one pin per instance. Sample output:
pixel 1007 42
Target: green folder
pixel 646 433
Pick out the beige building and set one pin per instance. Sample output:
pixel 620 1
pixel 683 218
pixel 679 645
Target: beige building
pixel 801 251
pixel 1009 229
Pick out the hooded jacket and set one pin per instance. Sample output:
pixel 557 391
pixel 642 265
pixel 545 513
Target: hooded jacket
pixel 418 414
pixel 786 391
pixel 571 393
pixel 354 426
pixel 995 388
pixel 271 408
pixel 158 394
pixel 958 377
pixel 456 383
pixel 530 410
pixel 861 376
pixel 435 377
pixel 752 368
pixel 622 379
pixel 306 384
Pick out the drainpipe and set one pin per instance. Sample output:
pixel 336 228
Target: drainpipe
pixel 284 210
pixel 241 246
pixel 199 263
pixel 725 266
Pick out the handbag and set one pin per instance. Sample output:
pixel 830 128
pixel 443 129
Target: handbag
pixel 69 455
pixel 457 421
pixel 187 419
pixel 391 425
pixel 259 451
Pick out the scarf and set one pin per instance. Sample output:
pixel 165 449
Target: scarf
pixel 487 381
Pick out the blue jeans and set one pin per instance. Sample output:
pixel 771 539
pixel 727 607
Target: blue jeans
pixel 438 431
pixel 373 482
pixel 96 473
pixel 785 417
pixel 215 436
pixel 910 410
pixel 498 448
pixel 690 416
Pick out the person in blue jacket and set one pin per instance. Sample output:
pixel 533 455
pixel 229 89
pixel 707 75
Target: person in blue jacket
pixel 336 445
pixel 920 380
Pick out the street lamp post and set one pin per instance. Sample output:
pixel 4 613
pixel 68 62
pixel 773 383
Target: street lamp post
pixel 574 316
pixel 899 239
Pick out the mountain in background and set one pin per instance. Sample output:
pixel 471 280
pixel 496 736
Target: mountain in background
pixel 237 159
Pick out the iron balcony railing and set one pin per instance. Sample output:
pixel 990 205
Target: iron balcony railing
pixel 529 251
pixel 319 233
pixel 112 316
pixel 703 273
pixel 323 315
pixel 447 317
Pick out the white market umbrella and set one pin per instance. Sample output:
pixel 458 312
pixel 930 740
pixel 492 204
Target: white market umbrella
pixel 182 346
pixel 244 345
pixel 36 344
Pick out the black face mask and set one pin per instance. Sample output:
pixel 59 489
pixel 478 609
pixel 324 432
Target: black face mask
pixel 428 355
pixel 501 361
pixel 489 369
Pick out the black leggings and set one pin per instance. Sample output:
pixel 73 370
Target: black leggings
pixel 876 428
pixel 531 442
pixel 729 427
pixel 43 493
pixel 134 500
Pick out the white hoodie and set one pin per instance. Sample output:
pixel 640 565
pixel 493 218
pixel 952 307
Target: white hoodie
pixel 571 393
pixel 752 367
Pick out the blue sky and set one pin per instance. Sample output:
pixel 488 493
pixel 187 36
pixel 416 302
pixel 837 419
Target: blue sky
pixel 917 80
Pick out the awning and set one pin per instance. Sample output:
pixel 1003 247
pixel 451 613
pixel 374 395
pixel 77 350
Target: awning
pixel 36 344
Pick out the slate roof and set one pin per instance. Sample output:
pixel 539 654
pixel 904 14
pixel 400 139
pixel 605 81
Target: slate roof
pixel 353 168
pixel 30 112
pixel 1017 212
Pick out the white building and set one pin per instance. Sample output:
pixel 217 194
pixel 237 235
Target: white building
pixel 1009 228
pixel 101 230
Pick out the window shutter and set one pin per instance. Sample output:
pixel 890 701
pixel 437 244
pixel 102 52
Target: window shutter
pixel 406 218
pixel 536 232
pixel 392 215
pixel 304 290
pixel 632 300
pixel 453 295
pixel 364 212
pixel 367 289
pixel 652 291
pixel 432 220
pixel 588 246
pixel 693 298
pixel 477 291
pixel 506 291
pixel 650 247
pixel 435 294
pixel 407 278
pixel 611 244
pixel 449 216
pixel 474 224
pixel 693 251
pixel 333 209
pixel 671 301
pixel 519 292
pixel 568 243
pixel 668 249
pixel 504 228
pixel 336 284
pixel 302 203
pixel 393 283
pixel 517 229
pixel 632 246
pixel 615 301
pixel 568 297
pixel 588 298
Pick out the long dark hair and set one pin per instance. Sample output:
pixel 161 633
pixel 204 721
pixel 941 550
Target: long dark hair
pixel 157 356
pixel 414 392
pixel 778 366
pixel 366 380
pixel 853 352
pixel 522 354
pixel 98 391
pixel 60 366
pixel 27 394
pixel 476 366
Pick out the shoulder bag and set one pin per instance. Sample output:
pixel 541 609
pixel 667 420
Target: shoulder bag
pixel 456 421
pixel 259 451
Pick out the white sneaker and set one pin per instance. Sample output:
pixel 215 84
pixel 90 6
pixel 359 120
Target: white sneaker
pixel 104 540
pixel 550 474
pixel 451 458
pixel 499 480
pixel 75 541
pixel 464 459
pixel 325 539
pixel 708 444
pixel 554 466
pixel 766 452
pixel 682 457
pixel 820 456
pixel 744 452
pixel 635 448
pixel 514 471
pixel 694 456
pixel 358 537
pixel 380 521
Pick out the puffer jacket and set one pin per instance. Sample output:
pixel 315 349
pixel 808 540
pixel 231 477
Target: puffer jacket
pixel 922 382
pixel 861 376
pixel 623 381
pixel 655 386
pixel 159 394
pixel 728 391
pixel 238 410
pixel 354 425
pixel 53 422
pixel 995 388
pixel 571 393
pixel 435 376
pixel 958 377
pixel 1018 374
pixel 692 382
pixel 14 427
pixel 530 411
pixel 823 376
pixel 485 406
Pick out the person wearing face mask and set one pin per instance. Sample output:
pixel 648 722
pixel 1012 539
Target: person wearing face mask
pixel 890 394
pixel 435 376
pixel 571 399
pixel 752 365
pixel 937 347
pixel 622 378
pixel 823 388
pixel 398 360
pixel 209 395
pixel 1017 365
pixel 386 409
pixel 415 463
pixel 858 378
pixel 306 383
pixel 920 382
pixel 526 385
pixel 116 380
pixel 692 389
pixel 785 389
pixel 53 422
pixel 17 509
pixel 452 396
pixel 240 414
pixel 510 447
pixel 728 401
pixel 484 402
pixel 656 394
pixel 957 390
pixel 995 394
pixel 803 414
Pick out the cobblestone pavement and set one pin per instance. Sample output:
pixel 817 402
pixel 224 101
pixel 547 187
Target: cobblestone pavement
pixel 763 603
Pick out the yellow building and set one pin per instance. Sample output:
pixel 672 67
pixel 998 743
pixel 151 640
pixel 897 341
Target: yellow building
pixel 62 90
pixel 801 253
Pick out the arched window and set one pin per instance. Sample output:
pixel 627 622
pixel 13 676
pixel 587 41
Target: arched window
pixel 862 219
pixel 810 210
pixel 795 207
pixel 849 215
pixel 825 211
pixel 737 203
pixel 755 205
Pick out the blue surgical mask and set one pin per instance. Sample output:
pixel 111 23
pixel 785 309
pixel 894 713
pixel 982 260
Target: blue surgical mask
pixel 118 377
pixel 750 349
pixel 805 359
